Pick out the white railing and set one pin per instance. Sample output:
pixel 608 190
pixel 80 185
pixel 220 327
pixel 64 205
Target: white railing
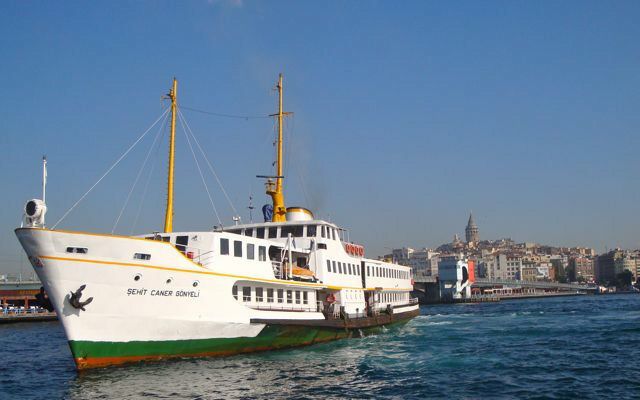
pixel 308 308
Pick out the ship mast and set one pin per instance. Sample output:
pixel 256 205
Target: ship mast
pixel 168 218
pixel 276 193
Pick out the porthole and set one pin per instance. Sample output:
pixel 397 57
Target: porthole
pixel 137 277
pixel 196 283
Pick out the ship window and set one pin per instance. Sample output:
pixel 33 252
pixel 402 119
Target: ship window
pixel 322 231
pixel 305 298
pixel 246 293
pixel 224 246
pixel 311 231
pixel 262 253
pixel 297 297
pixel 166 238
pixel 269 295
pixel 285 231
pixel 368 271
pixel 273 233
pixel 350 273
pixel 234 291
pixel 251 250
pixel 182 242
pixel 236 231
pixel 322 246
pixel 333 233
pixel 259 293
pixel 339 267
pixel 248 232
pixel 328 265
pixel 335 269
pixel 237 248
pixel 77 250
pixel 280 295
pixel 260 233
pixel 289 297
pixel 142 256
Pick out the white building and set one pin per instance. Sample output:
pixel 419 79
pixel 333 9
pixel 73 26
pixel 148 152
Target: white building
pixel 455 278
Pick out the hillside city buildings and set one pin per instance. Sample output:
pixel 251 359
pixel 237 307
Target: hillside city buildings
pixel 506 259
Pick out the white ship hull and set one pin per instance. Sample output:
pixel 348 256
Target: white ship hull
pixel 169 306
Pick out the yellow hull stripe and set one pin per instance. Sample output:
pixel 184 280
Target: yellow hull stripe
pixel 123 264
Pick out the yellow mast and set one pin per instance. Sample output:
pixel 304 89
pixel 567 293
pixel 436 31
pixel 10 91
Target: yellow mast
pixel 168 218
pixel 277 196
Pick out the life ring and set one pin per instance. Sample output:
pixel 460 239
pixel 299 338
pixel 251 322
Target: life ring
pixel 331 298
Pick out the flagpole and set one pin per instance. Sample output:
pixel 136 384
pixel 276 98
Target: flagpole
pixel 44 183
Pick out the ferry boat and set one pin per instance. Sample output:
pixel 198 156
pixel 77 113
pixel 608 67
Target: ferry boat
pixel 292 280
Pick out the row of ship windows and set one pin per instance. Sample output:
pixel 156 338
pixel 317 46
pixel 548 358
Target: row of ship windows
pixel 393 297
pixel 383 272
pixel 84 250
pixel 284 231
pixel 353 269
pixel 237 250
pixel 342 268
pixel 270 295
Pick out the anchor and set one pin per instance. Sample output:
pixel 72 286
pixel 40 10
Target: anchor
pixel 74 299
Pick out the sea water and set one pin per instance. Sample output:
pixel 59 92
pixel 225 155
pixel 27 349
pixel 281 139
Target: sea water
pixel 569 347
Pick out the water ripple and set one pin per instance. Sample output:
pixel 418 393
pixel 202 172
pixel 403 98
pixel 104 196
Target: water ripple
pixel 584 347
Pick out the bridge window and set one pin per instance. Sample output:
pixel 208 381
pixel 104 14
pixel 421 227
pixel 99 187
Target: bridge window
pixel 77 250
pixel 237 248
pixel 260 233
pixel 311 230
pixel 224 246
pixel 273 233
pixel 322 231
pixel 248 232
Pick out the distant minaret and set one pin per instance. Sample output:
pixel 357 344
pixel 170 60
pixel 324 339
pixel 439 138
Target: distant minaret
pixel 471 232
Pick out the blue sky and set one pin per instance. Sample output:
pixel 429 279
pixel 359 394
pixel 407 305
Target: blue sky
pixel 407 114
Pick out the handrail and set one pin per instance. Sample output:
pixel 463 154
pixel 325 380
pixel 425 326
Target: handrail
pixel 281 308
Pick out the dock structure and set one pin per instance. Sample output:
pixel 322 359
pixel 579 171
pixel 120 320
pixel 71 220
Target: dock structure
pixel 429 289
pixel 8 317
pixel 19 293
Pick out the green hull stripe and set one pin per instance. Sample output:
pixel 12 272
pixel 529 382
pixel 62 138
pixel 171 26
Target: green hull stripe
pixel 271 337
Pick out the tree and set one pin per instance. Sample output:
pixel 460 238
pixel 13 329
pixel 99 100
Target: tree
pixel 625 278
